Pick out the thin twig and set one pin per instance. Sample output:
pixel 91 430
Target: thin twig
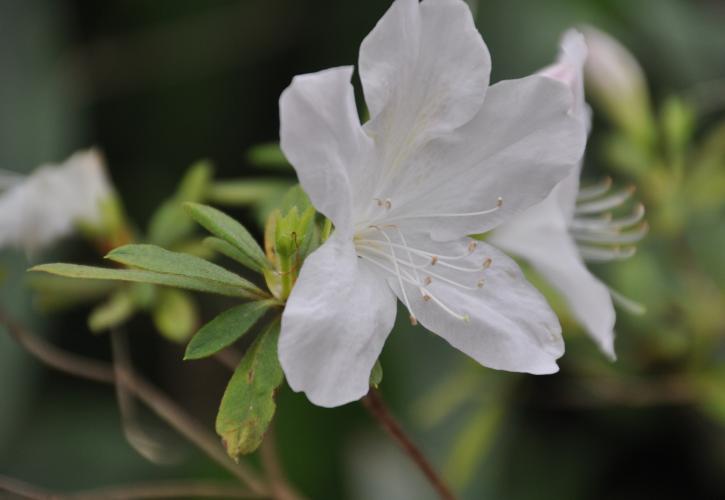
pixel 21 489
pixel 377 408
pixel 164 407
pixel 142 491
pixel 281 489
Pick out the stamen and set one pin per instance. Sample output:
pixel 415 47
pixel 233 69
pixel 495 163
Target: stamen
pixel 480 283
pixel 433 260
pixel 600 254
pixel 606 203
pixel 612 236
pixel 428 280
pixel 499 204
pixel 462 317
pixel 590 224
pixel 397 272
pixel 422 253
pixel 487 263
pixel 591 192
pixel 472 246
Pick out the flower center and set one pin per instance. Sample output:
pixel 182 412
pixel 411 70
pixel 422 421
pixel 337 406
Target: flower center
pixel 386 247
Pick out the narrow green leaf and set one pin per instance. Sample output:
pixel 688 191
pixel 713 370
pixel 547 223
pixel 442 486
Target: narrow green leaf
pixel 221 246
pixel 153 258
pixel 241 193
pixel 143 276
pixel 55 293
pixel 225 329
pixel 175 315
pixel 170 224
pixel 195 181
pixel 268 155
pixel 248 405
pixel 113 312
pixel 220 224
pixel 295 197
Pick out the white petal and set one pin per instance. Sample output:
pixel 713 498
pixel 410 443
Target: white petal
pixel 321 136
pixel 569 69
pixel 505 324
pixel 540 237
pixel 425 70
pixel 45 206
pixel 519 146
pixel 334 325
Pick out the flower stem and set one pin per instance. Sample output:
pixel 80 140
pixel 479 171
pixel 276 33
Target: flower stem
pixel 167 409
pixel 375 405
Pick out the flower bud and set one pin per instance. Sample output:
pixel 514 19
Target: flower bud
pixel 616 82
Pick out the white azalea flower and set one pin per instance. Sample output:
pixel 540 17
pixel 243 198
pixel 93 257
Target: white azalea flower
pixel 572 225
pixel 443 156
pixel 44 206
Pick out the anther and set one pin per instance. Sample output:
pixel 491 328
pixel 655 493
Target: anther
pixel 499 202
pixel 480 283
pixel 378 202
pixel 466 318
pixel 388 204
pixel 428 280
pixel 426 297
pixel 487 263
pixel 472 246
pixel 433 260
pixel 413 320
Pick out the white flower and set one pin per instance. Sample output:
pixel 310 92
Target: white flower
pixel 443 156
pixel 572 225
pixel 39 209
pixel 617 82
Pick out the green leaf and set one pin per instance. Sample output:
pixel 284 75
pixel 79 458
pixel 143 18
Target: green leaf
pixel 170 223
pixel 225 329
pixel 143 276
pixel 175 315
pixel 113 312
pixel 56 293
pixel 376 375
pixel 220 224
pixel 295 197
pixel 229 250
pixel 242 193
pixel 248 405
pixel 268 155
pixel 153 258
pixel 195 182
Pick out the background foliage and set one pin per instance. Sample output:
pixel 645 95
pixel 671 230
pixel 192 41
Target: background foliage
pixel 159 85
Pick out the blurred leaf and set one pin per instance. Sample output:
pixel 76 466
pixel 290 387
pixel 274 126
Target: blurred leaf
pixel 472 444
pixel 113 312
pixel 231 231
pixel 175 315
pixel 295 197
pixel 246 192
pixel 248 405
pixel 376 375
pixel 55 292
pixel 677 120
pixel 153 258
pixel 195 182
pixel 143 276
pixel 225 329
pixel 268 155
pixel 170 223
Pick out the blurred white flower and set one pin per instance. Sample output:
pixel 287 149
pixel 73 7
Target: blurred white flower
pixel 443 156
pixel 46 205
pixel 616 81
pixel 574 224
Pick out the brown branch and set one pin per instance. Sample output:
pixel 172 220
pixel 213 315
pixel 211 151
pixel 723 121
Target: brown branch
pixel 375 405
pixel 163 406
pixel 21 489
pixel 281 489
pixel 152 490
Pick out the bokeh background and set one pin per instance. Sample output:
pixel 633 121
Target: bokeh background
pixel 160 84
